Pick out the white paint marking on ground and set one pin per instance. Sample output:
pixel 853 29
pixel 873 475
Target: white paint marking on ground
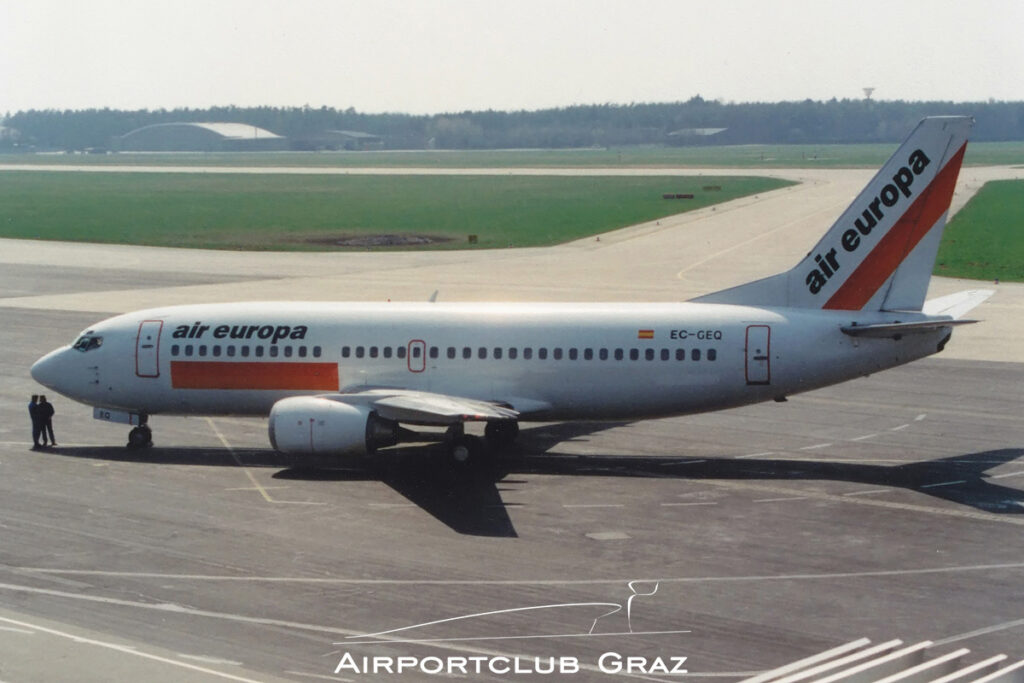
pixel 669 505
pixel 593 505
pixel 869 492
pixel 130 650
pixel 13 629
pixel 920 417
pixel 955 569
pixel 899 428
pixel 209 660
pixel 609 536
pixel 815 446
pixel 755 455
pixel 945 483
pixel 1008 474
pixel 779 500
pixel 866 436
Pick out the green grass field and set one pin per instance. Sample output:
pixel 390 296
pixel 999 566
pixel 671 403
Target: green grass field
pixel 309 212
pixel 985 240
pixel 735 156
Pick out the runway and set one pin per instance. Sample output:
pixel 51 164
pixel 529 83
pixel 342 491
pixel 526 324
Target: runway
pixel 888 507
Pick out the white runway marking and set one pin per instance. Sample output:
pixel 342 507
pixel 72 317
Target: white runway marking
pixel 209 660
pixel 869 492
pixel 686 504
pixel 593 505
pixel 945 483
pixel 129 650
pixel 755 455
pixel 779 500
pixel 899 428
pixel 866 436
pixel 956 569
pixel 1008 474
pixel 815 446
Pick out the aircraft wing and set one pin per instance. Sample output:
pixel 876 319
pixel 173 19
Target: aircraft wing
pixel 427 408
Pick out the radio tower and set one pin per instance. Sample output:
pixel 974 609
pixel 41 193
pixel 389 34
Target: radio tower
pixel 867 93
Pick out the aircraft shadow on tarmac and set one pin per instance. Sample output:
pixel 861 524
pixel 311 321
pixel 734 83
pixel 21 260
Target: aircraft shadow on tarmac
pixel 470 501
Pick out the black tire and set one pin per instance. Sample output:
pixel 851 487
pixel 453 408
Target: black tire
pixel 464 451
pixel 140 437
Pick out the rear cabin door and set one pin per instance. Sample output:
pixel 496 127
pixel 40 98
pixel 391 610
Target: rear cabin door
pixel 147 348
pixel 758 365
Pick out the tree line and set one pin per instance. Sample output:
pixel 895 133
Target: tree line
pixel 602 125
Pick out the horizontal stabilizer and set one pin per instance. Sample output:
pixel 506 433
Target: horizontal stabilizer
pixel 883 330
pixel 956 305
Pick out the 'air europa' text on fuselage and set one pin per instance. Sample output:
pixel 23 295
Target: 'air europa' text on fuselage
pixel 274 333
pixel 829 262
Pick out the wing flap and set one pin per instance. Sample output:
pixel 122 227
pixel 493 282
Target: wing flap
pixel 426 408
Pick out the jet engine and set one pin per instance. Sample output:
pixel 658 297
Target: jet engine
pixel 308 425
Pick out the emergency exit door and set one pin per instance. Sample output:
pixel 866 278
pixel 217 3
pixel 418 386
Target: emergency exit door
pixel 758 366
pixel 147 348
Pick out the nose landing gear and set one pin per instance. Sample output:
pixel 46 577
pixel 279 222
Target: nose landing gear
pixel 141 436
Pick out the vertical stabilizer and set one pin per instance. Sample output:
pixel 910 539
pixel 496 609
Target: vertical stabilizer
pixel 880 254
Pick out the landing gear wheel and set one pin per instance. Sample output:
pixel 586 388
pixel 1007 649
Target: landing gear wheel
pixel 464 451
pixel 501 434
pixel 140 437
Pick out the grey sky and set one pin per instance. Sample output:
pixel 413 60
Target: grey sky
pixel 427 56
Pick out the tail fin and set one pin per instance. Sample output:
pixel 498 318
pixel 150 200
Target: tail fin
pixel 880 254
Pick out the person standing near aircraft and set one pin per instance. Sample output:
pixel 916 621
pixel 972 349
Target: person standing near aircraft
pixel 46 412
pixel 33 412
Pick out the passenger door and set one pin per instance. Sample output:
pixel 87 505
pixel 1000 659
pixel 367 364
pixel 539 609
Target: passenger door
pixel 758 352
pixel 147 348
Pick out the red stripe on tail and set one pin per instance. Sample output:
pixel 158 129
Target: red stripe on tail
pixel 896 244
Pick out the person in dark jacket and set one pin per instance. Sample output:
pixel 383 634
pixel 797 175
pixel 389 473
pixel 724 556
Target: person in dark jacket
pixel 46 412
pixel 37 426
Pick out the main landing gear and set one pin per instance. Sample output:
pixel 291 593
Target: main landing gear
pixel 141 436
pixel 465 450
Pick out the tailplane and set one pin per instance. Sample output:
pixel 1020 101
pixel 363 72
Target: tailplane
pixel 880 254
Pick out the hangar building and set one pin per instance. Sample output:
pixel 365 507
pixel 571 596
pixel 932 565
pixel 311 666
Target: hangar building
pixel 201 137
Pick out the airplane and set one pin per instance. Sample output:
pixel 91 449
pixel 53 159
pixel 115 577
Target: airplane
pixel 344 379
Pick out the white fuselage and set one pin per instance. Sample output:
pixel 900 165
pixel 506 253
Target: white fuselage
pixel 547 361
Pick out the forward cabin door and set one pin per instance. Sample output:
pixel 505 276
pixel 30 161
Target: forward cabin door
pixel 147 348
pixel 758 350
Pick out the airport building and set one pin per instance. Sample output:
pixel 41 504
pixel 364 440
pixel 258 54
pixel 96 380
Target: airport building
pixel 201 137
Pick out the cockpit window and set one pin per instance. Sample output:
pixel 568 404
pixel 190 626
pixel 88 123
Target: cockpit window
pixel 88 342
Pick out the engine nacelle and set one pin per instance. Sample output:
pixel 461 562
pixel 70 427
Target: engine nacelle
pixel 308 425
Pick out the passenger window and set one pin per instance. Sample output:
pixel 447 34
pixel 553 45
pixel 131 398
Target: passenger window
pixel 273 351
pixel 664 354
pixel 680 354
pixel 202 350
pixel 557 353
pixel 188 349
pixel 400 352
pixel 695 354
pixel 603 354
pixel 360 352
pixel 231 351
pixel 618 354
pixel 649 354
pixel 373 352
pixel 542 353
pixel 302 351
pixel 287 352
pixel 588 354
pixel 451 352
pixel 245 352
pixel 513 352
pixel 481 353
pixel 346 351
pixel 317 351
pixel 712 354
pixel 573 354
pixel 415 351
pixel 634 354
pixel 216 351
pixel 175 349
pixel 467 352
pixel 386 352
pixel 527 353
pixel 259 352
pixel 497 352
pixel 433 352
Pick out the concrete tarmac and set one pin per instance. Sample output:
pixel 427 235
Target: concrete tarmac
pixel 890 506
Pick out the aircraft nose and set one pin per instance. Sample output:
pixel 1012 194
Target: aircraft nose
pixel 48 369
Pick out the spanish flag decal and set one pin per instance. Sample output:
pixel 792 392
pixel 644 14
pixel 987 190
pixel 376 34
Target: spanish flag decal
pixel 645 334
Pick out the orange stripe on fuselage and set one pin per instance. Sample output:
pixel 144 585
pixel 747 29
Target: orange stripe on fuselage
pixel 186 374
pixel 895 245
